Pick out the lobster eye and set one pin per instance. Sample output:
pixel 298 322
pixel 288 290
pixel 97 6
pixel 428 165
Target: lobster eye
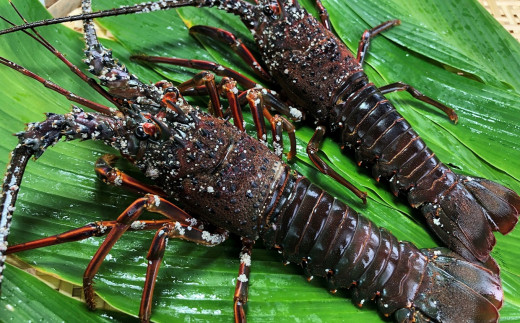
pixel 268 11
pixel 140 134
pixel 271 9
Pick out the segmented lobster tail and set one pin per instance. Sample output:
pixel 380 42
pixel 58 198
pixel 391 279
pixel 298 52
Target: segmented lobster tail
pixel 330 240
pixel 13 177
pixel 490 206
pixel 462 211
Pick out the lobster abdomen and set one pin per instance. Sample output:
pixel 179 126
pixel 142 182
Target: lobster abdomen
pixel 331 240
pixel 383 138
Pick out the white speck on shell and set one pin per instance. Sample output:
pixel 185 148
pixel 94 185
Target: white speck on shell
pixel 137 225
pixel 245 259
pixel 157 200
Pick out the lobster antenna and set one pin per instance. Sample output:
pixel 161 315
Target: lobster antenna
pixel 125 10
pixel 41 40
pixel 56 88
pixel 232 6
pixel 15 169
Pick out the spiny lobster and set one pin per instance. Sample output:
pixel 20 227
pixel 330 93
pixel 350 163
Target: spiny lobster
pixel 206 163
pixel 318 73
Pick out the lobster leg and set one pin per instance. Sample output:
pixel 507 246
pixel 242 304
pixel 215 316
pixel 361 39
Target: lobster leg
pixel 257 102
pixel 268 96
pixel 269 100
pixel 155 256
pixel 364 43
pixel 208 80
pixel 400 86
pixel 114 176
pixel 229 88
pixel 242 287
pixel 156 253
pixel 94 229
pixel 155 204
pixel 279 124
pixel 252 98
pixel 199 65
pixel 236 45
pixel 166 229
pixel 193 87
pixel 312 150
pixel 220 70
pixel 324 15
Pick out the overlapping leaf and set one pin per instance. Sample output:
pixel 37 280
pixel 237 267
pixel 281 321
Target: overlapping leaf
pixel 60 191
pixel 44 304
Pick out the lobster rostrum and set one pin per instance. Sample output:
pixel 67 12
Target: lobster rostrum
pixel 317 72
pixel 236 183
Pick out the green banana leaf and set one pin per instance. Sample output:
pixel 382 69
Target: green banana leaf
pixel 454 52
pixel 43 303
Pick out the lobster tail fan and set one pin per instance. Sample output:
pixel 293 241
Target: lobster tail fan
pixel 463 291
pixel 483 278
pixel 501 204
pixel 466 214
pixel 461 223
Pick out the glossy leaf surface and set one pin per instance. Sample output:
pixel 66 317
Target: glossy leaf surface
pixel 60 190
